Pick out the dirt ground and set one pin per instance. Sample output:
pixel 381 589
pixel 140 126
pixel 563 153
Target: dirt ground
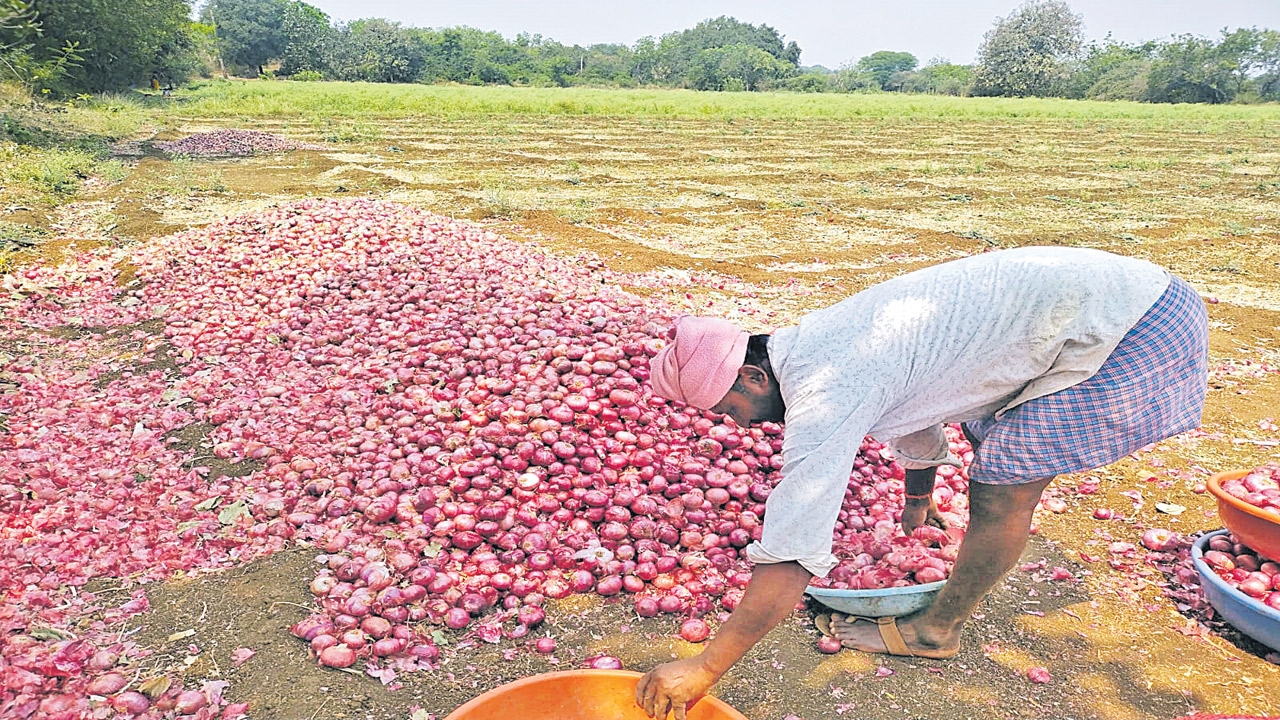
pixel 760 221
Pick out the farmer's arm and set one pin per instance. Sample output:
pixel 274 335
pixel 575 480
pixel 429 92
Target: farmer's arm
pixel 920 453
pixel 920 509
pixel 771 595
pixel 795 545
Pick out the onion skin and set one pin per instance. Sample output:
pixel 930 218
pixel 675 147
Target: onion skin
pixel 605 662
pixel 190 701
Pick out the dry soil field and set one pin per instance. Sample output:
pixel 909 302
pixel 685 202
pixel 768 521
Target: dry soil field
pixel 760 220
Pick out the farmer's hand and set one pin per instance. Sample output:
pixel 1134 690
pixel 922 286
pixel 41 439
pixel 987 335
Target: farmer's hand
pixel 670 687
pixel 921 511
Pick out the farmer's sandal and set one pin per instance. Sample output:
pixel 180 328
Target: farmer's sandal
pixel 889 635
pixel 823 623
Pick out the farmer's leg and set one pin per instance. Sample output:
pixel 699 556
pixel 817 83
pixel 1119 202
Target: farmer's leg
pixel 999 523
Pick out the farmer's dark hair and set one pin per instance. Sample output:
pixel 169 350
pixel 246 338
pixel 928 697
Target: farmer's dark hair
pixel 758 355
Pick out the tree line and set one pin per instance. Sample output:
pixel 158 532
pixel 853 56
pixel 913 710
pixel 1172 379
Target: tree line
pixel 72 46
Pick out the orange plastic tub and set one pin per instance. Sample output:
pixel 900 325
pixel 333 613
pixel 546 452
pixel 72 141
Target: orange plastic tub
pixel 576 695
pixel 1254 527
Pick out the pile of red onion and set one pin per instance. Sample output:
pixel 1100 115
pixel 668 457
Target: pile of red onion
pixel 459 423
pixel 1260 488
pixel 873 552
pixel 1244 570
pixel 234 142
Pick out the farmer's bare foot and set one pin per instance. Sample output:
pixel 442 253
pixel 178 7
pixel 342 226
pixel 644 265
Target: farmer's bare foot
pixel 865 636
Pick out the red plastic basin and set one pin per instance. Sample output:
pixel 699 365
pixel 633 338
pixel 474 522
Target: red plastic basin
pixel 576 695
pixel 1254 527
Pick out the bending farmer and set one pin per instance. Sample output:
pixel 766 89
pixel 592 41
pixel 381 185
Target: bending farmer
pixel 1054 360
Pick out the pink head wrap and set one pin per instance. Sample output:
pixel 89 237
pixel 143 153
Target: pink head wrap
pixel 701 363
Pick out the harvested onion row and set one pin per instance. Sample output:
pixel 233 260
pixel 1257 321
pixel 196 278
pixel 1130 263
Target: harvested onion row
pixel 233 142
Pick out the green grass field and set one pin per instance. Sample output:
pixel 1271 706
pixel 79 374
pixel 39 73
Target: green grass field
pixel 254 99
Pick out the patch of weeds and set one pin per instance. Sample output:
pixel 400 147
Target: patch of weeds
pixel 20 234
pixel 1070 201
pixel 1235 229
pixel 104 221
pixel 958 197
pixel 188 176
pixel 983 236
pixel 778 204
pixel 51 167
pixel 355 132
pixel 1230 267
pixel 14 238
pixel 1128 238
pixel 499 202
pixel 1140 164
pixel 573 170
pixel 60 172
pixel 578 212
pixel 716 193
pixel 113 171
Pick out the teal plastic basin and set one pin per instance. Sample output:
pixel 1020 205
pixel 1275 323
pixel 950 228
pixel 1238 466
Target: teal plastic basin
pixel 888 602
pixel 1248 615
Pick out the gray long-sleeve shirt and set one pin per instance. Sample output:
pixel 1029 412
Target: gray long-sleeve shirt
pixel 954 342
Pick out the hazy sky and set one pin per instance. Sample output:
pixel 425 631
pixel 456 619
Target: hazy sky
pixel 829 32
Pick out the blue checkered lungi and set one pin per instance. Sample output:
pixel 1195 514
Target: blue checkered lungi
pixel 1151 387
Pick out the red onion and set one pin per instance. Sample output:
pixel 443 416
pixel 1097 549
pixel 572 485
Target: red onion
pixel 190 701
pixel 130 702
pixel 108 684
pixel 695 630
pixel 457 618
pixel 338 656
pixel 389 646
pixel 375 626
pixel 320 642
pixel 531 616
